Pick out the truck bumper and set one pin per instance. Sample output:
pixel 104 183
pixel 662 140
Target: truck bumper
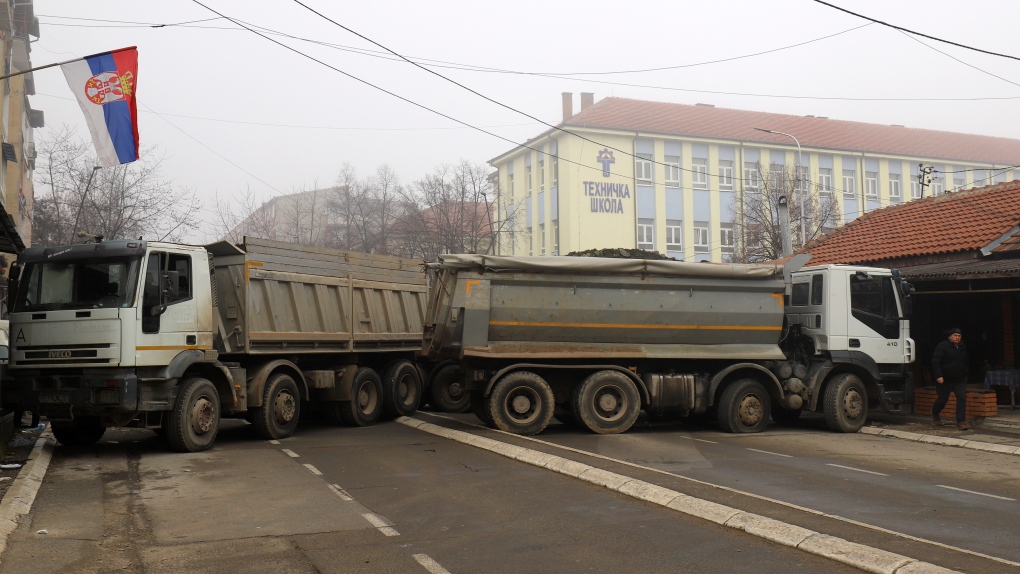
pixel 108 392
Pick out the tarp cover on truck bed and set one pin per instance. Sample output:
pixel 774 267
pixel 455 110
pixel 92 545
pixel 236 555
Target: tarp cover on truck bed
pixel 496 263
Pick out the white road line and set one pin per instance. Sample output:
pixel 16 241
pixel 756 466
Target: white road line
pixel 314 470
pixel 341 492
pixel 975 492
pixel 772 453
pixel 291 453
pixel 708 441
pixel 380 524
pixel 735 491
pixel 430 564
pixel 856 469
pixel 274 442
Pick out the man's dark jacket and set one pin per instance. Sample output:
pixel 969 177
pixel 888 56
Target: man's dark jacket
pixel 949 361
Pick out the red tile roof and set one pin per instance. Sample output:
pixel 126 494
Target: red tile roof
pixel 949 223
pixel 711 122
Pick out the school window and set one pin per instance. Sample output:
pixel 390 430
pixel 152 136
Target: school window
pixel 915 190
pixel 674 235
pixel 701 237
pixel 726 238
pixel 699 178
pixel 849 183
pixel 555 171
pixel 725 175
pixel 803 182
pixel 541 234
pixel 528 175
pixel 531 242
pixel 751 176
pixel 895 189
pixel 510 184
pixel 556 237
pixel 825 181
pixel 959 183
pixel 938 185
pixel 871 184
pixel 672 171
pixel 643 168
pixel 541 175
pixel 646 234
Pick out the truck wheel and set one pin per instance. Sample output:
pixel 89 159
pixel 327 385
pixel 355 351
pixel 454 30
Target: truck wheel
pixel 521 403
pixel 195 419
pixel 281 408
pixel 366 407
pixel 480 407
pixel 607 402
pixel 82 431
pixel 784 416
pixel 744 407
pixel 448 392
pixel 401 389
pixel 846 403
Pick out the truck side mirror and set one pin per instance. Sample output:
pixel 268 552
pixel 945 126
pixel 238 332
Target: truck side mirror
pixel 171 285
pixel 908 306
pixel 157 310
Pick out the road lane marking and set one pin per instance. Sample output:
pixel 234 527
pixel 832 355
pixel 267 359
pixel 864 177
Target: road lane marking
pixel 380 524
pixel 856 469
pixel 314 470
pixel 772 453
pixel 341 492
pixel 430 564
pixel 291 453
pixel 976 492
pixel 274 442
pixel 708 441
pixel 732 490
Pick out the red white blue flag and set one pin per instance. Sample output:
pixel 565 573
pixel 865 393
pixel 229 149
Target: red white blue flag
pixel 105 86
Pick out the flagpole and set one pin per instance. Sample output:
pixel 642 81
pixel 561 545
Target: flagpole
pixel 65 62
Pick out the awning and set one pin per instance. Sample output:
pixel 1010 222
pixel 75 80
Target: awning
pixel 10 241
pixel 963 269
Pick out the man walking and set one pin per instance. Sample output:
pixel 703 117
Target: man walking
pixel 949 364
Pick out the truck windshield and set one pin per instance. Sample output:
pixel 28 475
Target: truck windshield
pixel 85 284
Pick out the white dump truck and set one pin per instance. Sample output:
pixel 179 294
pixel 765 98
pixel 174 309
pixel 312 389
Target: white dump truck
pixel 594 341
pixel 173 337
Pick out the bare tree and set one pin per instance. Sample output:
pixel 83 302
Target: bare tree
pixel 126 201
pixel 246 215
pixel 756 213
pixel 447 211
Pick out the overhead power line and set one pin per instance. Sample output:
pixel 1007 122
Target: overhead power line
pixel 923 35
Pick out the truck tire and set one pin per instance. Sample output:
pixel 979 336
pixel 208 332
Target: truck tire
pixel 401 389
pixel 744 407
pixel 607 402
pixel 366 407
pixel 82 431
pixel 448 392
pixel 480 407
pixel 192 424
pixel 281 408
pixel 521 403
pixel 845 403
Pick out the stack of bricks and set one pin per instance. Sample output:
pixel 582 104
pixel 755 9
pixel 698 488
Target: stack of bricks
pixel 980 403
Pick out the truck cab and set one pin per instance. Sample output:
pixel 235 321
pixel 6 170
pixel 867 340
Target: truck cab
pixel 853 319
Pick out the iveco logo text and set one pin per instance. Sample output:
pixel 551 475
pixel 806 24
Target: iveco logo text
pixel 60 354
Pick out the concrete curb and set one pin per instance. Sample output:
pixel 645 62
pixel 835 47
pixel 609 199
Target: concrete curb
pixel 850 553
pixel 943 440
pixel 18 499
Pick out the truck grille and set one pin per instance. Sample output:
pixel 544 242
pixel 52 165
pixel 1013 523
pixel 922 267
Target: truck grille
pixel 61 355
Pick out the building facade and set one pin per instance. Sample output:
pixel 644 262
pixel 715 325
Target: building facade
pixel 675 178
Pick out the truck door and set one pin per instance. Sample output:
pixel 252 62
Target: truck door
pixel 162 335
pixel 873 326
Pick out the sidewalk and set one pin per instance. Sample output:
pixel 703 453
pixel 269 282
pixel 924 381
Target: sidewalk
pixel 1000 433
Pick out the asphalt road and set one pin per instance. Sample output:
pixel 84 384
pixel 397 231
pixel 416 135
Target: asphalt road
pixel 386 498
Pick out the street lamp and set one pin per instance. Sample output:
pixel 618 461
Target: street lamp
pixel 800 161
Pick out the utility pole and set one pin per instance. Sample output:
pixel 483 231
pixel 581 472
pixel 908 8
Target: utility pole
pixel 924 176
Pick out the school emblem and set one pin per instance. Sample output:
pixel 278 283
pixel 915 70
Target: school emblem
pixel 606 159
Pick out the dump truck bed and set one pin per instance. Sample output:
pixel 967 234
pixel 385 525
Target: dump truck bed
pixel 274 297
pixel 582 308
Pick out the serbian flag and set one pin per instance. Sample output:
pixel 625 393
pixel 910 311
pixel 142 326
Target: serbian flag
pixel 105 85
